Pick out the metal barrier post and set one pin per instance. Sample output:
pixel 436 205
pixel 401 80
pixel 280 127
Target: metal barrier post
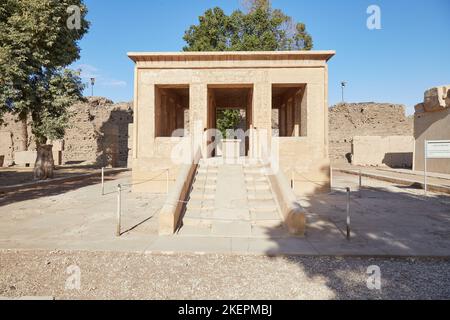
pixel 103 181
pixel 348 213
pixel 331 178
pixel 119 209
pixel 360 184
pixel 425 187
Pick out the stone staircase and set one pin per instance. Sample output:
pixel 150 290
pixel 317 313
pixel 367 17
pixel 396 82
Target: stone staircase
pixel 232 201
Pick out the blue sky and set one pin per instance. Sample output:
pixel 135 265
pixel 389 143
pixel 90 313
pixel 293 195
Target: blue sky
pixel 395 64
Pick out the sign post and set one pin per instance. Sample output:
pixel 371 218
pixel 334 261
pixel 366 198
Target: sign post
pixel 434 149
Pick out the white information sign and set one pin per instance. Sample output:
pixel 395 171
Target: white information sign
pixel 438 149
pixel 435 149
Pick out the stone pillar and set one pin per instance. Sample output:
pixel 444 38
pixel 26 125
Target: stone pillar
pixel 198 113
pixel 145 119
pixel 262 118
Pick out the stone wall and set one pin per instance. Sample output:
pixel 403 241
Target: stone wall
pixel 391 151
pixel 432 122
pixel 98 134
pixel 364 119
pixel 11 139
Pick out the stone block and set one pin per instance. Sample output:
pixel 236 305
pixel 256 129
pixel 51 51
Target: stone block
pixel 391 151
pixel 419 108
pixel 231 149
pixel 25 158
pixel 435 98
pixel 447 99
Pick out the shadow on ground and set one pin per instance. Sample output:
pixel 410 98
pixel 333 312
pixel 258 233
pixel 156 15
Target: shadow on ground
pixel 397 225
pixel 50 189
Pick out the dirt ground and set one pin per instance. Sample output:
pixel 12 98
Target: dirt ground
pixel 102 275
pixel 15 175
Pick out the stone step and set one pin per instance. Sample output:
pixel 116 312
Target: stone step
pixel 264 215
pixel 261 196
pixel 199 214
pixel 254 165
pixel 262 205
pixel 202 189
pixel 268 223
pixel 194 231
pixel 201 195
pixel 269 232
pixel 204 178
pixel 195 204
pixel 257 172
pixel 207 171
pixel 193 221
pixel 255 178
pixel 231 229
pixel 258 187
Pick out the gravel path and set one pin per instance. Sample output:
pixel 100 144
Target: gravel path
pixel 146 276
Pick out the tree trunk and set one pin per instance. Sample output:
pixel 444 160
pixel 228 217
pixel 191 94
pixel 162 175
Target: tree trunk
pixel 44 165
pixel 24 134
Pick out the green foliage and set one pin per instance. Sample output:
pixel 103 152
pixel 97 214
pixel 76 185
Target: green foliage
pixel 59 90
pixel 228 119
pixel 262 28
pixel 36 46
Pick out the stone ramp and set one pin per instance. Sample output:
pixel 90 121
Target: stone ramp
pixel 232 201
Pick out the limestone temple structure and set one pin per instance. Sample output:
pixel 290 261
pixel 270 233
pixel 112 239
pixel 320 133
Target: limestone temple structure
pixel 282 95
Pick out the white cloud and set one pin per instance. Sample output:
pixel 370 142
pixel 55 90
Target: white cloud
pixel 113 83
pixel 89 71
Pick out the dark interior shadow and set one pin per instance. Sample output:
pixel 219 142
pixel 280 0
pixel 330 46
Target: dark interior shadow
pixel 399 160
pixel 74 162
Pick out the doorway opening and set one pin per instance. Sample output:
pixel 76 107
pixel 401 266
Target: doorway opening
pixel 171 110
pixel 230 112
pixel 289 107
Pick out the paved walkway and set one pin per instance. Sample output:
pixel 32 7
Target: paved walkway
pixel 388 220
pixel 436 182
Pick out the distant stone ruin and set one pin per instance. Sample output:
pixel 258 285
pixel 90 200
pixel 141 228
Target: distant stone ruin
pixel 432 122
pixel 100 131
pixel 98 135
pixel 350 120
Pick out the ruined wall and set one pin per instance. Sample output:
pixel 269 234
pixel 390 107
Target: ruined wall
pixel 364 119
pixel 98 134
pixel 432 122
pixel 11 139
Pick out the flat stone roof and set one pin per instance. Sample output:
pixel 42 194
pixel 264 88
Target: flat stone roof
pixel 231 55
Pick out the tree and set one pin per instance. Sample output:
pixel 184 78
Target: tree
pixel 37 43
pixel 228 119
pixel 260 28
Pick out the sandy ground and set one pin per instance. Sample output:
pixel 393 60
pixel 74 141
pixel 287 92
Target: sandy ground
pixel 145 276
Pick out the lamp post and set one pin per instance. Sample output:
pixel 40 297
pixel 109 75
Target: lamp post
pixel 92 86
pixel 343 85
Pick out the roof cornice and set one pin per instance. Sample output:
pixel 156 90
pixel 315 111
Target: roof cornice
pixel 231 55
